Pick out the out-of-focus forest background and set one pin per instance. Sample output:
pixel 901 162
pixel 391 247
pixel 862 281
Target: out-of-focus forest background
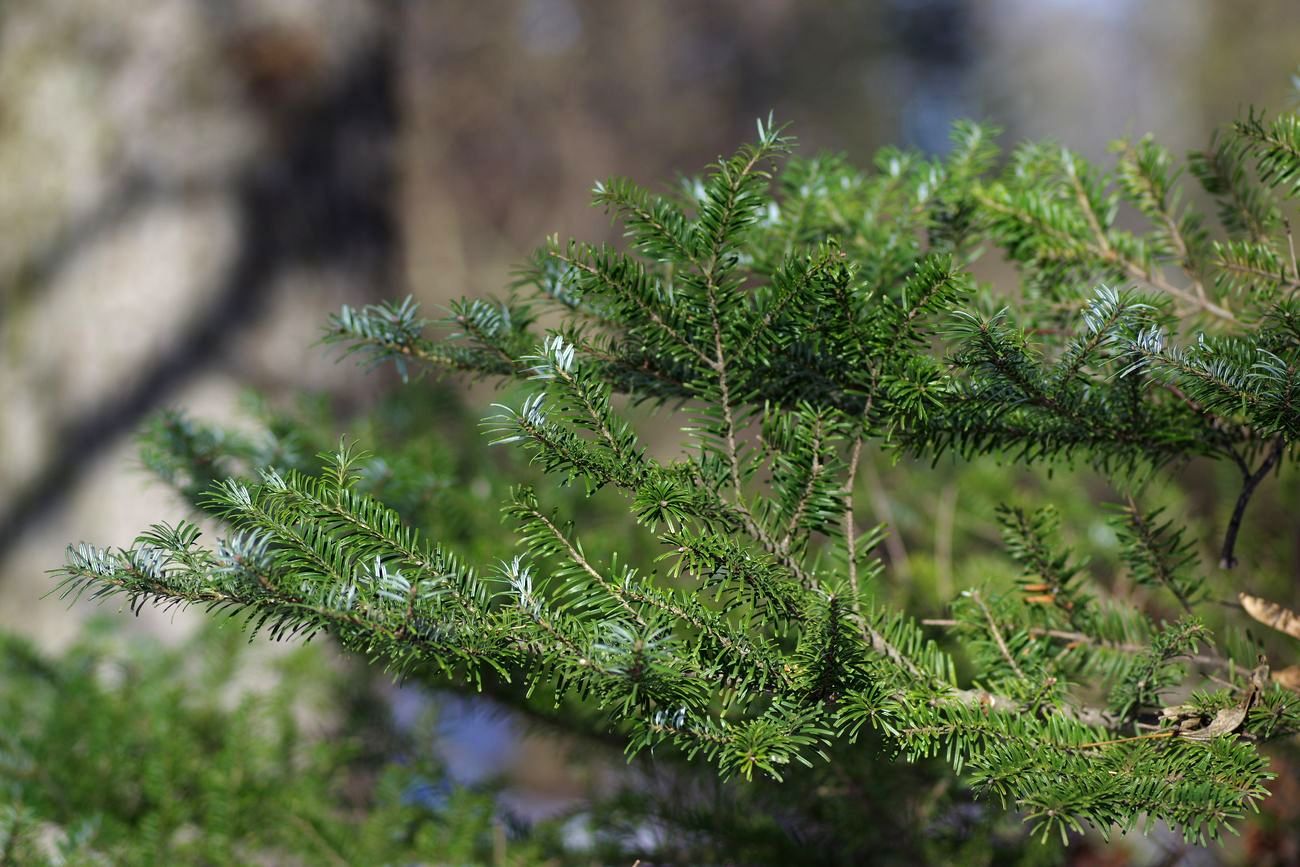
pixel 188 187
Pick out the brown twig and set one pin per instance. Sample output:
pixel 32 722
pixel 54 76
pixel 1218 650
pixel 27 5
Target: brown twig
pixel 1290 243
pixel 1147 737
pixel 1228 558
pixel 850 482
pixel 944 520
pixel 997 634
pixel 1083 638
pixel 880 504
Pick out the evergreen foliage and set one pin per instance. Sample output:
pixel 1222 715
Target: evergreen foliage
pixel 794 317
pixel 144 755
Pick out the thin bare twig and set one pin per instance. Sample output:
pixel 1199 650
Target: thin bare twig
pixel 850 530
pixel 944 522
pixel 997 634
pixel 850 482
pixel 898 557
pixel 814 473
pixel 1228 558
pixel 1290 243
pixel 1209 660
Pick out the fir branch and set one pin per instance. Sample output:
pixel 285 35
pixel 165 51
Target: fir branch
pixel 1099 248
pixel 797 318
pixel 1275 145
pixel 1158 555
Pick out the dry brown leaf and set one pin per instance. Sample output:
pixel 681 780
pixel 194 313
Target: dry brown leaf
pixel 1230 719
pixel 1271 614
pixel 1288 678
pixel 1225 722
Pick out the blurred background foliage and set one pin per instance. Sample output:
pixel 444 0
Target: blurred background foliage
pixel 198 754
pixel 190 186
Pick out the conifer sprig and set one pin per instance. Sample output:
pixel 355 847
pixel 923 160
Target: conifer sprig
pixel 796 320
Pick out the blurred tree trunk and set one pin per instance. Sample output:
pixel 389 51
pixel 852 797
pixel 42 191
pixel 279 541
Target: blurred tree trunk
pixel 319 196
